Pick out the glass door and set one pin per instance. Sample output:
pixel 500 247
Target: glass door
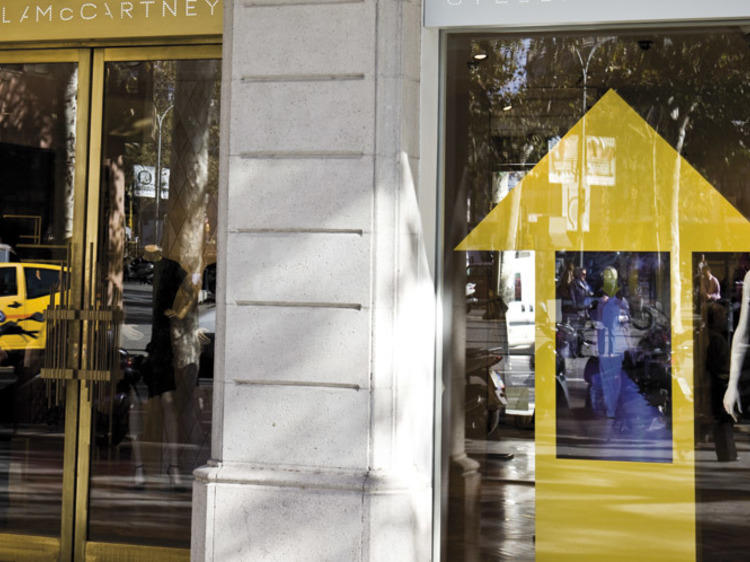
pixel 145 419
pixel 44 107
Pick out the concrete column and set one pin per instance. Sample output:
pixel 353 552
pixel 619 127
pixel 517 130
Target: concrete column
pixel 323 393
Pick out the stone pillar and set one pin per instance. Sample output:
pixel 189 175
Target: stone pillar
pixel 323 392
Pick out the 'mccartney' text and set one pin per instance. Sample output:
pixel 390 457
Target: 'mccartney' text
pixel 113 10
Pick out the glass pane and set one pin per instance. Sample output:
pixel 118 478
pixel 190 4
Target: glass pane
pixel 37 169
pixel 157 259
pixel 719 282
pixel 613 350
pixel 41 281
pixel 600 178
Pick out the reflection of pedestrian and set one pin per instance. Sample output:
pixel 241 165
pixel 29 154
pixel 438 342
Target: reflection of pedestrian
pixel 566 280
pixel 610 344
pixel 710 288
pixel 611 339
pixel 580 290
pixel 564 286
pixel 701 264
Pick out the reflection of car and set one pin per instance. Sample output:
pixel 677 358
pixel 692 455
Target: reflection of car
pixel 520 319
pixel 25 290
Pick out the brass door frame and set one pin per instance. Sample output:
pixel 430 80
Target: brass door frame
pixel 72 544
pixel 85 550
pixel 22 547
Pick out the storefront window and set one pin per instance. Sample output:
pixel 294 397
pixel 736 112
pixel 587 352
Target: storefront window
pixel 596 248
pixel 152 426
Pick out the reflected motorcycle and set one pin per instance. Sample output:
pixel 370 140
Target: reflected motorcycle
pixel 139 269
pixel 485 392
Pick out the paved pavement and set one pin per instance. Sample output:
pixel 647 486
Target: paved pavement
pixel 723 501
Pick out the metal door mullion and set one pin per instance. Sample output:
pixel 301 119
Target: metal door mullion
pixel 88 248
pixel 75 264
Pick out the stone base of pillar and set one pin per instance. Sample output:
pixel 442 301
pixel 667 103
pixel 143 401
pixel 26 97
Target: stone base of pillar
pixel 243 512
pixel 465 486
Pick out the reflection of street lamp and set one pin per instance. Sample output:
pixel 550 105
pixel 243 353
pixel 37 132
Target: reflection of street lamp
pixel 583 187
pixel 585 65
pixel 157 180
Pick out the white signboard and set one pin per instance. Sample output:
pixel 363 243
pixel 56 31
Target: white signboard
pixel 515 13
pixel 144 180
pixel 600 160
pixel 563 160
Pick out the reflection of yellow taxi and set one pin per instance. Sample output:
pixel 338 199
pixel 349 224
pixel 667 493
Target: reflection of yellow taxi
pixel 25 290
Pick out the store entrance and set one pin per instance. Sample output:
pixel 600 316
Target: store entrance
pixel 107 280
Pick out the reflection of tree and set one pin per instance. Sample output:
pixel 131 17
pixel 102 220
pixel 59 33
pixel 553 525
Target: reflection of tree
pixel 154 82
pixel 71 109
pixel 28 113
pixel 679 82
pixel 137 93
pixel 187 226
pixel 159 78
pixel 693 88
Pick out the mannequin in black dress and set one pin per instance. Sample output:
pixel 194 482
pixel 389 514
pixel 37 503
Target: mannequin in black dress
pixel 159 370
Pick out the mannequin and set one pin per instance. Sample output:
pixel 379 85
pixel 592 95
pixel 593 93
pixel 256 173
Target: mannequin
pixel 731 401
pixel 717 359
pixel 159 375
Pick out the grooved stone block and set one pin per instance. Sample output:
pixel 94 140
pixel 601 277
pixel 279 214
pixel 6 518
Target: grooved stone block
pixel 398 130
pixel 299 267
pixel 316 39
pixel 410 118
pixel 326 115
pixel 286 524
pixel 300 193
pixel 411 36
pixel 298 344
pixel 296 426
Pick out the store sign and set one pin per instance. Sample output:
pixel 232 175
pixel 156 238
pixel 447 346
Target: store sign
pixel 513 13
pixel 145 182
pixel 27 20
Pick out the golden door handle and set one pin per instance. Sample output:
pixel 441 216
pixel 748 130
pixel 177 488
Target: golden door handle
pixel 97 357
